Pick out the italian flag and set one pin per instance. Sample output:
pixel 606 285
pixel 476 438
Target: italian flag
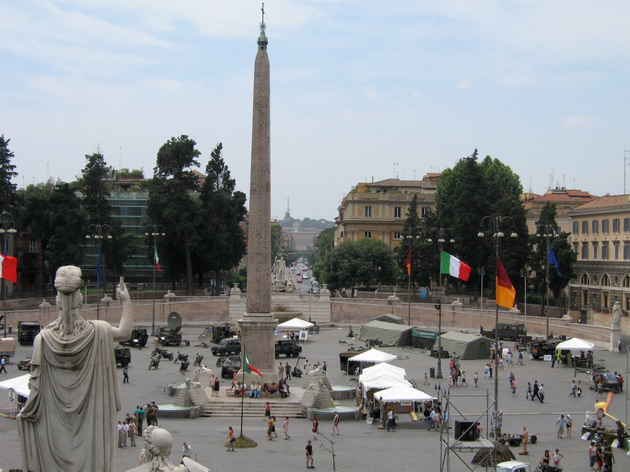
pixel 156 258
pixel 453 266
pixel 249 368
pixel 8 268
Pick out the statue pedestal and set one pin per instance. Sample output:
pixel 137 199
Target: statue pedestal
pixel 615 336
pixel 258 340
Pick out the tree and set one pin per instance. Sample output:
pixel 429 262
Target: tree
pixel 561 248
pixel 470 191
pixel 7 174
pixel 415 234
pixel 222 240
pixel 323 245
pixel 172 204
pixel 357 263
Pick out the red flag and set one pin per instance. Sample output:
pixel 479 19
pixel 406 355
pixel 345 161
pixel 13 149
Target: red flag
pixel 8 268
pixel 408 261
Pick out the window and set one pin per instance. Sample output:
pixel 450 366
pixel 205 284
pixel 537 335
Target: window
pixel 615 225
pixel 576 247
pixel 595 250
pixel 604 251
pixel 584 227
pixel 605 226
pixel 425 210
pixel 576 227
pixel 626 225
pixel 397 235
pixel 595 226
pixel 616 251
pixel 32 245
pixel 626 252
pixel 397 212
pixel 368 234
pixel 584 251
pixel 368 211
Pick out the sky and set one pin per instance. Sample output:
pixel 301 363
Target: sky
pixel 361 90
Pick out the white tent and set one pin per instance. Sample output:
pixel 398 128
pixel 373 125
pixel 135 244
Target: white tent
pixel 17 384
pixel 401 393
pixel 296 324
pixel 380 369
pixel 575 344
pixel 373 355
pixel 384 381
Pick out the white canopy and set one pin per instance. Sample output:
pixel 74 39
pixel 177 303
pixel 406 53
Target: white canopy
pixel 296 323
pixel 373 355
pixel 402 393
pixel 17 384
pixel 384 381
pixel 575 344
pixel 380 369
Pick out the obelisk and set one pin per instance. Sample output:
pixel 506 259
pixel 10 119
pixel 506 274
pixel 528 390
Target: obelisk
pixel 258 325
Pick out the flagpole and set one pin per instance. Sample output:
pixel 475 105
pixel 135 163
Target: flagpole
pixel 157 230
pixel 243 394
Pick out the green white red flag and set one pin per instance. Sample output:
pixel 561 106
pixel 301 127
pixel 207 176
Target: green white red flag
pixel 453 266
pixel 156 258
pixel 248 367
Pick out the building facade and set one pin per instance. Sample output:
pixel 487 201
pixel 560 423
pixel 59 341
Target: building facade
pixel 600 236
pixel 565 201
pixel 378 209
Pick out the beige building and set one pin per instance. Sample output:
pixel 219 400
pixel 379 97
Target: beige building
pixel 378 209
pixel 601 239
pixel 565 201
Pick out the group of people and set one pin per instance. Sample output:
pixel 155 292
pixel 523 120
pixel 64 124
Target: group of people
pixel 127 429
pixel 535 391
pixel 601 458
pixel 132 425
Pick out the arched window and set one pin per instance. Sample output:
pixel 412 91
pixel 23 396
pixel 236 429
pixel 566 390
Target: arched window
pixel 605 280
pixel 625 283
pixel 584 279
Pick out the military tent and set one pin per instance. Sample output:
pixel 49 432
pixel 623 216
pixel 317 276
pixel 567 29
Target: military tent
pixel 466 346
pixel 389 318
pixel 387 334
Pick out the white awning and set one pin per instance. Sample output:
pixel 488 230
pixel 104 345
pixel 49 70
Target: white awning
pixel 296 323
pixel 575 344
pixel 402 393
pixel 373 355
pixel 17 384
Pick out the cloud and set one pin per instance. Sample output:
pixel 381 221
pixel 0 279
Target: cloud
pixel 464 84
pixel 577 121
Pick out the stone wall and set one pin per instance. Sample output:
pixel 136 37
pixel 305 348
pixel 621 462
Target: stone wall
pixel 303 306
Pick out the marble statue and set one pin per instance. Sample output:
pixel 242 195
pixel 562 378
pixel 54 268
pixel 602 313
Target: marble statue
pixel 69 421
pixel 616 318
pixel 154 456
pixel 279 268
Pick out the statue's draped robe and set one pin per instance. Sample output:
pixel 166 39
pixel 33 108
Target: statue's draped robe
pixel 69 421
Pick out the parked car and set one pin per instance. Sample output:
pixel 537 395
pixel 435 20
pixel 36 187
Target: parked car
pixel 287 347
pixel 605 381
pixel 231 365
pixel 226 347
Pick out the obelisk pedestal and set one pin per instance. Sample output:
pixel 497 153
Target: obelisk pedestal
pixel 258 325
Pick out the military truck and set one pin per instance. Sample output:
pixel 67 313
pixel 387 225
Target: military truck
pixel 27 330
pixel 123 355
pixel 169 336
pixel 540 348
pixel 507 331
pixel 227 346
pixel 7 348
pixel 287 347
pixel 139 338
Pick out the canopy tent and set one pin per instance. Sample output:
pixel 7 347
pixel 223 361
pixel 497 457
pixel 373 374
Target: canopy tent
pixel 387 334
pixel 466 346
pixel 18 384
pixel 401 393
pixel 374 355
pixel 382 368
pixel 389 318
pixel 295 323
pixel 384 381
pixel 575 344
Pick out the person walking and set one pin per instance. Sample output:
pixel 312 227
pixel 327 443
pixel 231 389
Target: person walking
pixel 524 442
pixel 309 456
pixel 231 439
pixel 3 367
pixel 476 379
pixel 520 358
pixel 267 412
pixel 541 393
pixel 573 389
pixel 287 371
pixel 561 424
pixel 286 428
pixel 592 455
pixel 335 424
pixel 609 459
pixel 535 391
pixel 569 426
pixel 513 386
pixel 528 394
pixel 125 375
pixel 391 425
pixel 315 427
pixel 556 458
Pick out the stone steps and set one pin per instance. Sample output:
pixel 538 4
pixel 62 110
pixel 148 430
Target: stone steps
pixel 253 409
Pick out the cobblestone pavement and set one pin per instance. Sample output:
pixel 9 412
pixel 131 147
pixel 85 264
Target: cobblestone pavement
pixel 360 447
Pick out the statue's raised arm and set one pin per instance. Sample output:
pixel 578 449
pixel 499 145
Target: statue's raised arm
pixel 123 332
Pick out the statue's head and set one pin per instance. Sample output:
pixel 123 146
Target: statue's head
pixel 68 279
pixel 162 441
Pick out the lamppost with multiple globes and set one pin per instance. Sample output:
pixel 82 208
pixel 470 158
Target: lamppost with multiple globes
pixel 98 232
pixel 7 227
pixel 496 224
pixel 548 232
pixel 441 234
pixel 154 232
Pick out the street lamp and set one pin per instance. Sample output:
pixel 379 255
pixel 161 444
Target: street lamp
pixel 441 234
pixel 7 227
pixel 548 232
pixel 481 271
pixel 98 232
pixel 156 232
pixel 496 223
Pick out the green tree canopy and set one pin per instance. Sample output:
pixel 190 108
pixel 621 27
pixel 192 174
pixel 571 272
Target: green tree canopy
pixel 357 263
pixel 7 174
pixel 323 247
